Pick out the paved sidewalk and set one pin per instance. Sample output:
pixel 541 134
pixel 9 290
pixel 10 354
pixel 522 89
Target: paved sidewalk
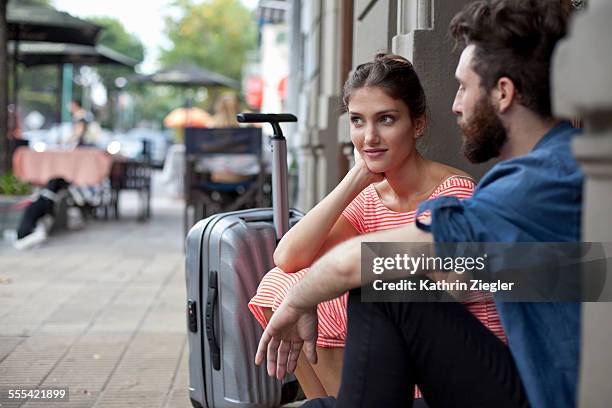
pixel 101 311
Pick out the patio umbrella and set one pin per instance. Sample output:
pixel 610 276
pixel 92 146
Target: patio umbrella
pixel 26 22
pixel 39 23
pixel 187 75
pixel 42 53
pixel 187 117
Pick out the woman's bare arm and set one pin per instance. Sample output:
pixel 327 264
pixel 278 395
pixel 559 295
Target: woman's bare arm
pixel 323 227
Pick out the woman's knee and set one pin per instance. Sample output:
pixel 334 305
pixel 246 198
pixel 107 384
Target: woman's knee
pixel 273 278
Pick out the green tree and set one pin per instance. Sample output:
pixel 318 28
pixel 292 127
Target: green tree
pixel 32 2
pixel 153 103
pixel 214 34
pixel 116 37
pixel 38 90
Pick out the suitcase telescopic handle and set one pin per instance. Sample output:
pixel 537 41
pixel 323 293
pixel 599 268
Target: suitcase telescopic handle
pixel 272 118
pixel 280 189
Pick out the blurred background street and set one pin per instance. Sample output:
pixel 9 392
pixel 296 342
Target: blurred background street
pixel 101 311
pixel 116 99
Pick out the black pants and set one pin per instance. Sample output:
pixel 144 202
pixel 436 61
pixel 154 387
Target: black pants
pixel 453 358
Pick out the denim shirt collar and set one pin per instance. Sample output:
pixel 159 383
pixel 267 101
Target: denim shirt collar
pixel 560 127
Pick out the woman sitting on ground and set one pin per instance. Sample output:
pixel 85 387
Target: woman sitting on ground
pixel 387 110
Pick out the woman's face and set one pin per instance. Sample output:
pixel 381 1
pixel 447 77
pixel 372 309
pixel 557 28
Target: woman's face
pixel 381 129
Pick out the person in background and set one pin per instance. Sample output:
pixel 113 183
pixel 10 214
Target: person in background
pixel 226 109
pixel 238 168
pixel 80 123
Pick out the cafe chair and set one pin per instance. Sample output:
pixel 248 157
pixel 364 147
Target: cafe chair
pixel 224 171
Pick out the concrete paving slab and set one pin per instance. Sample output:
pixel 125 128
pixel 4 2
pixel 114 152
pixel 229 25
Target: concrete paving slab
pixel 101 311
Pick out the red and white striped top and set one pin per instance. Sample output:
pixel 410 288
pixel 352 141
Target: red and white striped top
pixel 367 213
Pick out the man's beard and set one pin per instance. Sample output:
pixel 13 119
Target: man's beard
pixel 484 134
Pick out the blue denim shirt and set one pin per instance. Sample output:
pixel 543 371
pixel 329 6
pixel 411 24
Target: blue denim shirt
pixel 533 198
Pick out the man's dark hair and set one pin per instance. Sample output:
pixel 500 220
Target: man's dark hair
pixel 513 39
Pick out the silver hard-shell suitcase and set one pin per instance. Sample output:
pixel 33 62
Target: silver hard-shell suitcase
pixel 227 255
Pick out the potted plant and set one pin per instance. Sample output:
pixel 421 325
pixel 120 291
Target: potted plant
pixel 13 199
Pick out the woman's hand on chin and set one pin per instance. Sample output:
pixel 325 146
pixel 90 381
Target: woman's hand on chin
pixel 363 173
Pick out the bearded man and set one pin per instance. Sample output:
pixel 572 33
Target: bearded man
pixel 533 195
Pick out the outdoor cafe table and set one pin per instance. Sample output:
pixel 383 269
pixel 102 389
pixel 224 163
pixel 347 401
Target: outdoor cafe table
pixel 81 166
